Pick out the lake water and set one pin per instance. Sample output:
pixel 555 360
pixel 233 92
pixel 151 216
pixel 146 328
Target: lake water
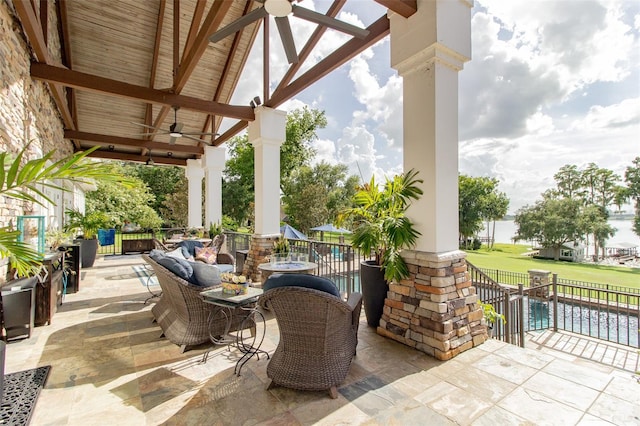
pixel 506 229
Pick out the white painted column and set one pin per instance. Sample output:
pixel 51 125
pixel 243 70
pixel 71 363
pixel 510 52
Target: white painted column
pixel 267 133
pixel 429 49
pixel 214 160
pixel 194 174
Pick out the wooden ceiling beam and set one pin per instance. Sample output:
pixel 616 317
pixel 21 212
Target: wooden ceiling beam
pixel 404 8
pixel 377 30
pixel 63 18
pixel 198 13
pixel 148 114
pixel 138 143
pixel 93 83
pixel 110 155
pixel 209 26
pixel 231 132
pixel 32 28
pixel 333 10
pixel 233 51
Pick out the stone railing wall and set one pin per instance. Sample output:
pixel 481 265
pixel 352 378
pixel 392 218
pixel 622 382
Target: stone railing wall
pixel 435 310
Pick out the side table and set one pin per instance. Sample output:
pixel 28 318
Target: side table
pixel 225 305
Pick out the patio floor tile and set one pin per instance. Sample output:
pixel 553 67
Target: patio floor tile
pixel 110 365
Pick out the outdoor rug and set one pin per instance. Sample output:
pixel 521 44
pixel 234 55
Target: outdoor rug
pixel 20 394
pixel 147 276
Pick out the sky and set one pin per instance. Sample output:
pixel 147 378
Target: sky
pixel 550 83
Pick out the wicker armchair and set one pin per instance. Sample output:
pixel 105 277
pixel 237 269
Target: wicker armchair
pixel 182 314
pixel 318 336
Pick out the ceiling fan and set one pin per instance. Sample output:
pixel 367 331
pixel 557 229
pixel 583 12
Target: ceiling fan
pixel 281 9
pixel 175 131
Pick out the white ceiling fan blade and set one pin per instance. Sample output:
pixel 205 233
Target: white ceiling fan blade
pixel 196 139
pixel 238 24
pixel 287 39
pixel 200 134
pixel 327 21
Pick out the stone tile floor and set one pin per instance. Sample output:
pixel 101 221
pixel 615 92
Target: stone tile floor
pixel 110 366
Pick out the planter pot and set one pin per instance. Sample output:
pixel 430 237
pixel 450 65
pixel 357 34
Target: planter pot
pixel 88 251
pixel 374 291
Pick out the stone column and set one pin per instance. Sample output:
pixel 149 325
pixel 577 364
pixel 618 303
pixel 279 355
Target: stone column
pixel 214 160
pixel 435 310
pixel 266 133
pixel 195 174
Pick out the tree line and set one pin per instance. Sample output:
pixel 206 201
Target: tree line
pixel 577 209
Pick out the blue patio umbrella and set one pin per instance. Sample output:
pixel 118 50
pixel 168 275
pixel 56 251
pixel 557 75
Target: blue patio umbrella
pixel 329 227
pixel 290 232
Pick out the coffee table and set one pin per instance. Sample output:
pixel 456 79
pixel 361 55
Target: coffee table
pixel 225 305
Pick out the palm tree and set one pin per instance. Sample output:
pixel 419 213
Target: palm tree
pixel 27 182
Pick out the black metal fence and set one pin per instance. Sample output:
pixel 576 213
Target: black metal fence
pixel 602 311
pixel 336 261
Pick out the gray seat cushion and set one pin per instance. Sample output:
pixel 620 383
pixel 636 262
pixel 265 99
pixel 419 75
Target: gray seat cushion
pixel 206 275
pixel 301 280
pixel 189 247
pixel 180 267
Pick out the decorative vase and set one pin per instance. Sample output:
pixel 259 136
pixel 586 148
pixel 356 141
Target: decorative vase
pixel 374 291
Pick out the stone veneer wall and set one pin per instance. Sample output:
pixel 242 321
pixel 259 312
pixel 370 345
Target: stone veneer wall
pixel 27 110
pixel 435 310
pixel 260 248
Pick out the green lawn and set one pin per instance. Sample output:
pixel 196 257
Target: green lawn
pixel 509 257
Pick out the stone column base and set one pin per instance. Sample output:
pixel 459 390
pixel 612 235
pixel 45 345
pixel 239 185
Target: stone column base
pixel 259 250
pixel 435 310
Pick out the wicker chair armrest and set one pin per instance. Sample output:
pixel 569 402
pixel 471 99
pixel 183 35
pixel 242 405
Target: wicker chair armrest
pixel 355 303
pixel 225 258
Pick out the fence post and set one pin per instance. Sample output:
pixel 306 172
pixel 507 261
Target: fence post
pixel 350 277
pixel 555 302
pixel 507 317
pixel 521 314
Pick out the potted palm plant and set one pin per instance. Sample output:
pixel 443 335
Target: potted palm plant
pixel 86 225
pixel 383 230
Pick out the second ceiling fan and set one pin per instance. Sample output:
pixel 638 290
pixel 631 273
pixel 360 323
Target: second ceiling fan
pixel 281 9
pixel 175 131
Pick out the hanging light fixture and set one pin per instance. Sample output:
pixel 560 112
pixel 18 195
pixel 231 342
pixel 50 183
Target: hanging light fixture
pixel 150 160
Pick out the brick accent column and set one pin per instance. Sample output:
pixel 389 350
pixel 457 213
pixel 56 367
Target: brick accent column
pixel 435 310
pixel 260 248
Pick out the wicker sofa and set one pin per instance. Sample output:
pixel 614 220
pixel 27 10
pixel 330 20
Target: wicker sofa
pixel 182 314
pixel 318 332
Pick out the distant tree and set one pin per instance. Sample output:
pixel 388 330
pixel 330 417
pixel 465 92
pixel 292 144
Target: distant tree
pixel 133 205
pixel 551 222
pixel 315 195
pixel 473 193
pixel 569 182
pixel 594 221
pixel 174 210
pixel 632 179
pixel 161 180
pixel 496 207
pixel 295 152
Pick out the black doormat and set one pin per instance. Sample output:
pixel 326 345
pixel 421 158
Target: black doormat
pixel 21 391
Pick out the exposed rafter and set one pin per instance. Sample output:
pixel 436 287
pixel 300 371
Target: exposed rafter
pixel 110 155
pixel 138 143
pixel 226 72
pixel 61 7
pixel 83 81
pixel 32 28
pixel 377 31
pixel 404 8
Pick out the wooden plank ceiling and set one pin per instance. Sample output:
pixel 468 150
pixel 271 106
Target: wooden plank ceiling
pixel 132 61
